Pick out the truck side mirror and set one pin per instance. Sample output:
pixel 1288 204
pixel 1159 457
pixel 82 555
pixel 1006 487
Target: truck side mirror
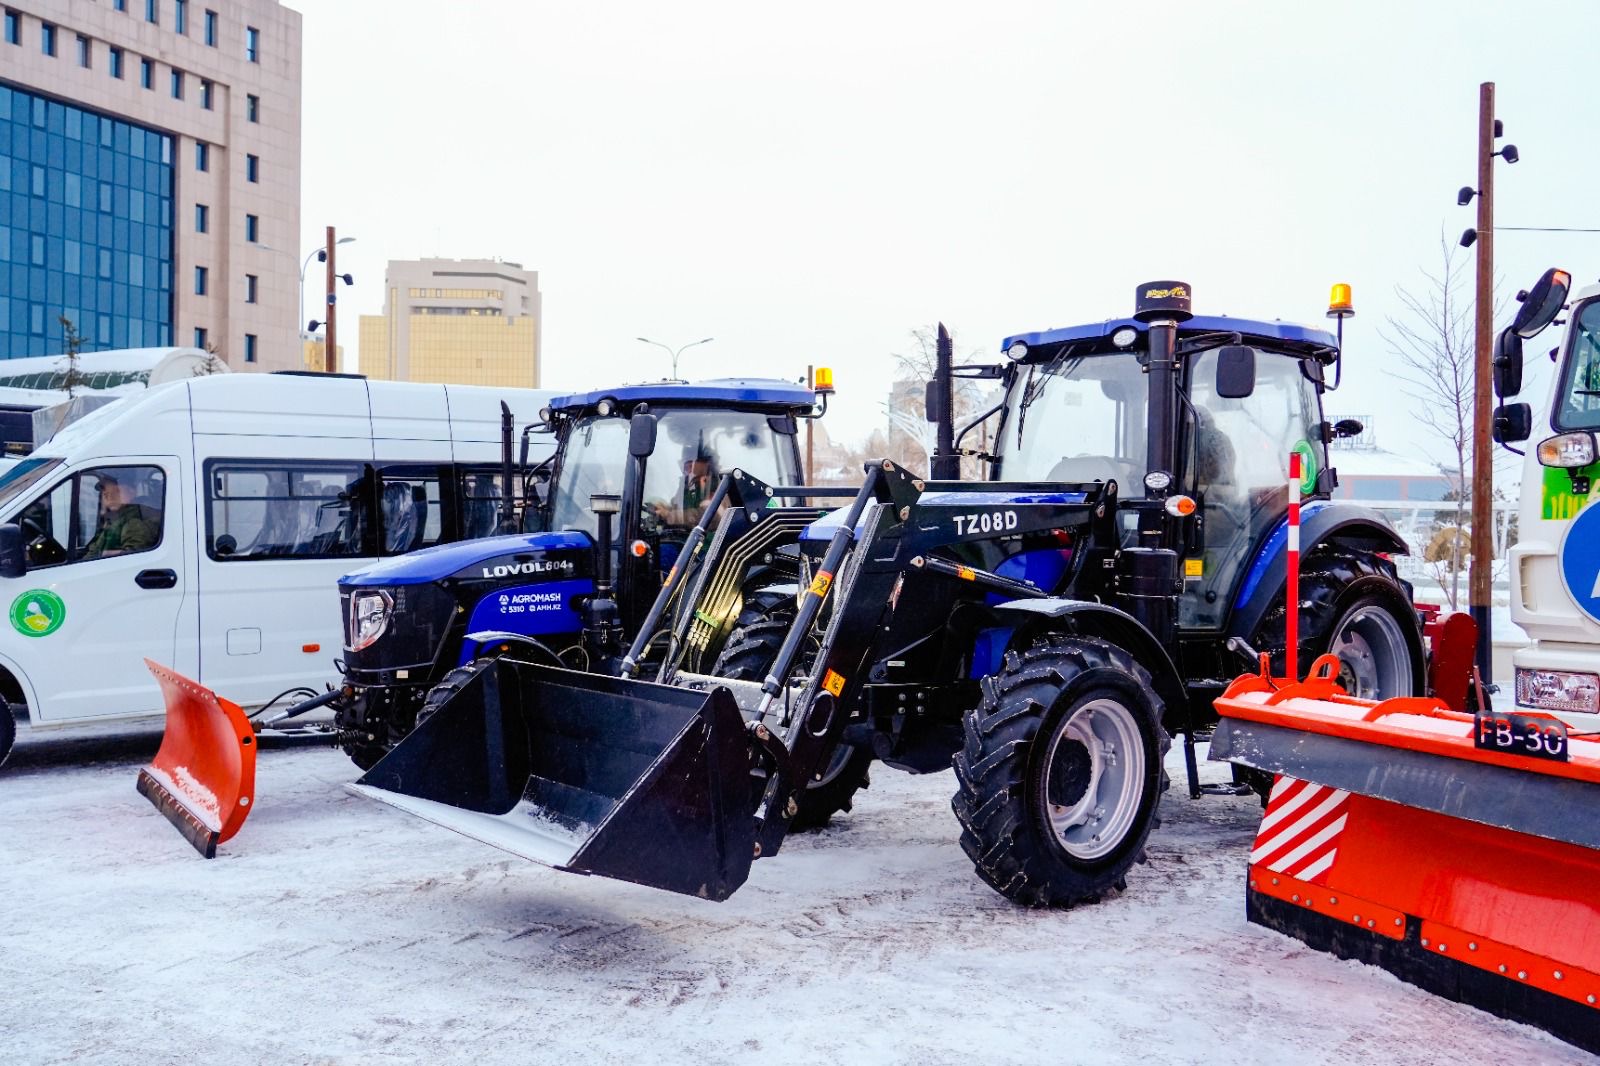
pixel 1236 372
pixel 1512 422
pixel 13 561
pixel 1542 303
pixel 641 435
pixel 1508 363
pixel 932 401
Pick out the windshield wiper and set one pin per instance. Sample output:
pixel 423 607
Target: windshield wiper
pixel 1034 387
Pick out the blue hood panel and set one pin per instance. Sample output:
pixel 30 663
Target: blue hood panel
pixel 428 565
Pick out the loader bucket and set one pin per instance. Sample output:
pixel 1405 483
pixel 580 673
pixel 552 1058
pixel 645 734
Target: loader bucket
pixel 597 775
pixel 203 779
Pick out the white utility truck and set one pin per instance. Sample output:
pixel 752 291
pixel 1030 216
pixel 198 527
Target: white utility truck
pixel 205 524
pixel 1555 566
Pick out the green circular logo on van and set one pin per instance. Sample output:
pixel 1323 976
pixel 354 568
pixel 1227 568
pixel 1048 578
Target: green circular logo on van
pixel 37 613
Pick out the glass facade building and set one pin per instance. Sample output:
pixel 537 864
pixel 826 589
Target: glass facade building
pixel 86 228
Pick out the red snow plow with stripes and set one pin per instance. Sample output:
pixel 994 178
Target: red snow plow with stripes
pixel 1459 851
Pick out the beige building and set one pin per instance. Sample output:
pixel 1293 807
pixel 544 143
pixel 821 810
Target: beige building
pixel 316 354
pixel 171 142
pixel 462 321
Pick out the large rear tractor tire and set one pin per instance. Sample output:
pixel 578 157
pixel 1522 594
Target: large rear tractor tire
pixel 748 655
pixel 1354 605
pixel 1061 773
pixel 8 731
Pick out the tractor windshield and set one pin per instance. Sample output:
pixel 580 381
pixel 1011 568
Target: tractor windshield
pixel 1577 403
pixel 1079 419
pixel 595 460
pixel 695 448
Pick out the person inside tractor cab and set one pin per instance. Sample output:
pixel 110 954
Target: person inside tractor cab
pixel 125 525
pixel 699 481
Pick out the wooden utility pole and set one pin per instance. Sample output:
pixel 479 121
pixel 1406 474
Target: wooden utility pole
pixel 811 467
pixel 1482 565
pixel 330 347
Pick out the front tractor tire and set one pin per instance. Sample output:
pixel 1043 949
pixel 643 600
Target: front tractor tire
pixel 748 655
pixel 1061 772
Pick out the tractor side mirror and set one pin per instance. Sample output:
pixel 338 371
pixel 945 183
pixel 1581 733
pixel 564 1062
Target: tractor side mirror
pixel 1512 422
pixel 13 562
pixel 1508 363
pixel 1542 303
pixel 1236 372
pixel 933 401
pixel 641 435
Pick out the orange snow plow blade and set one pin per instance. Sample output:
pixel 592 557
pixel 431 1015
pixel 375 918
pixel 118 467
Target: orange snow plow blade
pixel 203 779
pixel 1458 851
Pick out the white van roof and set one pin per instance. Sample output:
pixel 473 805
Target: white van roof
pixel 307 405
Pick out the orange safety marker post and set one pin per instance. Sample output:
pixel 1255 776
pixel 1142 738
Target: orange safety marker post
pixel 203 778
pixel 1458 851
pixel 1291 624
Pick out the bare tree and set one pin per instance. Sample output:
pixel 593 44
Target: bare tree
pixel 1435 343
pixel 911 436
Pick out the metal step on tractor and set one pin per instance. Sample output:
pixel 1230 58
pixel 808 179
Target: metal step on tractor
pixel 1046 631
pixel 624 500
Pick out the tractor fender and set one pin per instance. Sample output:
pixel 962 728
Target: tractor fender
pixel 1350 525
pixel 1089 619
pixel 473 644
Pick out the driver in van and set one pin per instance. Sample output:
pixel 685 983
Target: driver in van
pixel 124 525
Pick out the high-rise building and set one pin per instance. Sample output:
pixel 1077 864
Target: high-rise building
pixel 150 177
pixel 462 321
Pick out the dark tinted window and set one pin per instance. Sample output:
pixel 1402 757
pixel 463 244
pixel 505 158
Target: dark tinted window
pixel 287 510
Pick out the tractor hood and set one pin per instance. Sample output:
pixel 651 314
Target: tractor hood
pixel 563 554
pixel 979 503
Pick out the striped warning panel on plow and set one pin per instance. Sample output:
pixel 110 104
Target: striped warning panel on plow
pixel 1299 834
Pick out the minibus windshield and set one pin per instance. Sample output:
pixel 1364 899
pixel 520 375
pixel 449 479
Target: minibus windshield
pixel 22 477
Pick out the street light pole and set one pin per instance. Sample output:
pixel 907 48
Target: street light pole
pixel 1479 584
pixel 330 362
pixel 675 352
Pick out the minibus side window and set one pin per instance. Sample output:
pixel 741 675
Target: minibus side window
pixel 96 514
pixel 287 510
pixel 411 509
pixel 480 503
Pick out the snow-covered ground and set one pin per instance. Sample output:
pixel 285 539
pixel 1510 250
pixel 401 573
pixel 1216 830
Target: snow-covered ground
pixel 336 930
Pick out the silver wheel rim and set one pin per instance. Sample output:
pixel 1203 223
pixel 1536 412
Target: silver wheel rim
pixel 1094 777
pixel 1374 658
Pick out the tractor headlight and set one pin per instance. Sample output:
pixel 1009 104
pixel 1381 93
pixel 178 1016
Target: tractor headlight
pixel 369 617
pixel 1558 690
pixel 1569 450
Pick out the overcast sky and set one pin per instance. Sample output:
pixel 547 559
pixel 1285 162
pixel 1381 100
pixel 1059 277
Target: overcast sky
pixel 807 183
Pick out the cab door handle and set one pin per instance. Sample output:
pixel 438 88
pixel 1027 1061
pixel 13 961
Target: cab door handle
pixel 156 579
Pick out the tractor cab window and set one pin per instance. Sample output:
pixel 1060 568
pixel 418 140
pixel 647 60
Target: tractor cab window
pixel 1078 420
pixel 1239 463
pixel 695 448
pixel 596 460
pixel 1578 398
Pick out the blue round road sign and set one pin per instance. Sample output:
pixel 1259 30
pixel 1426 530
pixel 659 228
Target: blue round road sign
pixel 1580 561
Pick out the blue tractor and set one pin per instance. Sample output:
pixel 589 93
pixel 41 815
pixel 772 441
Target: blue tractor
pixel 607 516
pixel 1046 630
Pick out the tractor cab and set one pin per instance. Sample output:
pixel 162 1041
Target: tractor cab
pixel 1079 408
pixel 661 449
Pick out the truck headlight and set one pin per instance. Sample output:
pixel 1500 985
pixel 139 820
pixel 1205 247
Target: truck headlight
pixel 1570 450
pixel 1558 690
pixel 369 617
